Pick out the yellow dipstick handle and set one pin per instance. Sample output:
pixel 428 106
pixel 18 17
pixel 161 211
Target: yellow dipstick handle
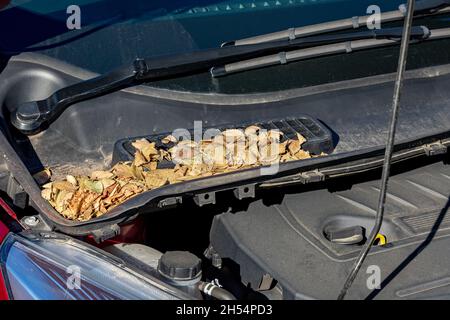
pixel 380 240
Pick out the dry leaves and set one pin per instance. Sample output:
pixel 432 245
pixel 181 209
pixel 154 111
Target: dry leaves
pixel 85 197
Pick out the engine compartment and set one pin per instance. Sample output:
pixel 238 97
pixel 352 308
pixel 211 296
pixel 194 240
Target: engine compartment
pixel 285 237
pixel 251 264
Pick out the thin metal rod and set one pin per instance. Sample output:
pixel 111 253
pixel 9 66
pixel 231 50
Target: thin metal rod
pixel 389 149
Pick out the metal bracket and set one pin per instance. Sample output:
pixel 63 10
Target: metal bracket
pixel 242 192
pixel 211 254
pixel 106 233
pixel 435 148
pixel 205 198
pixel 170 202
pixel 18 195
pixel 311 176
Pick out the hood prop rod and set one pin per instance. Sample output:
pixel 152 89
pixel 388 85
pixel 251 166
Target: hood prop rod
pixel 389 150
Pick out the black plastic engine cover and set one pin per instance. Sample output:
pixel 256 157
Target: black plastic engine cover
pixel 284 237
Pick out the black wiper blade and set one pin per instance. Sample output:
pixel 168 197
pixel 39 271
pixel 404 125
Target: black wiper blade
pixel 32 117
pixel 174 66
pixel 423 7
pixel 345 47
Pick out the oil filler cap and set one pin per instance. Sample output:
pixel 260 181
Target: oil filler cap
pixel 346 235
pixel 181 267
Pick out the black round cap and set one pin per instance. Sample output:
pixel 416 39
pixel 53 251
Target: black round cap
pixel 180 265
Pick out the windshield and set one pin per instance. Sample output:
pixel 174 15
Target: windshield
pixel 104 34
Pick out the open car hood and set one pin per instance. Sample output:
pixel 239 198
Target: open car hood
pixel 359 141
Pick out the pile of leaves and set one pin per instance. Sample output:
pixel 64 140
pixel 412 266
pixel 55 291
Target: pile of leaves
pixel 85 197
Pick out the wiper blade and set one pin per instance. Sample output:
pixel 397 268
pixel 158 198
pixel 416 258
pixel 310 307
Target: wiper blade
pixel 423 7
pixel 32 117
pixel 325 50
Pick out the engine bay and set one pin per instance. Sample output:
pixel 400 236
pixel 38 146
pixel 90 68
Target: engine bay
pixel 265 237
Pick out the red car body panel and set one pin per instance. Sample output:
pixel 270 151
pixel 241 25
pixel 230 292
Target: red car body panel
pixel 8 209
pixel 3 293
pixel 4 230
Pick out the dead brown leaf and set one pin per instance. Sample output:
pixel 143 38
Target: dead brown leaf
pixel 82 198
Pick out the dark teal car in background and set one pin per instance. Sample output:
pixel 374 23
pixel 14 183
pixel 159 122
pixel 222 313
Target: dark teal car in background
pixel 113 33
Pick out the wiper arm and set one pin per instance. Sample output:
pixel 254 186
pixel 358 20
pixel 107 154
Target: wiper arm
pixel 423 7
pixel 32 117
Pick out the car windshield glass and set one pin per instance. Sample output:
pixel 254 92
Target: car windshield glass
pixel 100 35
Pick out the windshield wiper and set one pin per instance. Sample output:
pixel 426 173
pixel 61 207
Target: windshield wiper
pixel 32 117
pixel 319 51
pixel 422 8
